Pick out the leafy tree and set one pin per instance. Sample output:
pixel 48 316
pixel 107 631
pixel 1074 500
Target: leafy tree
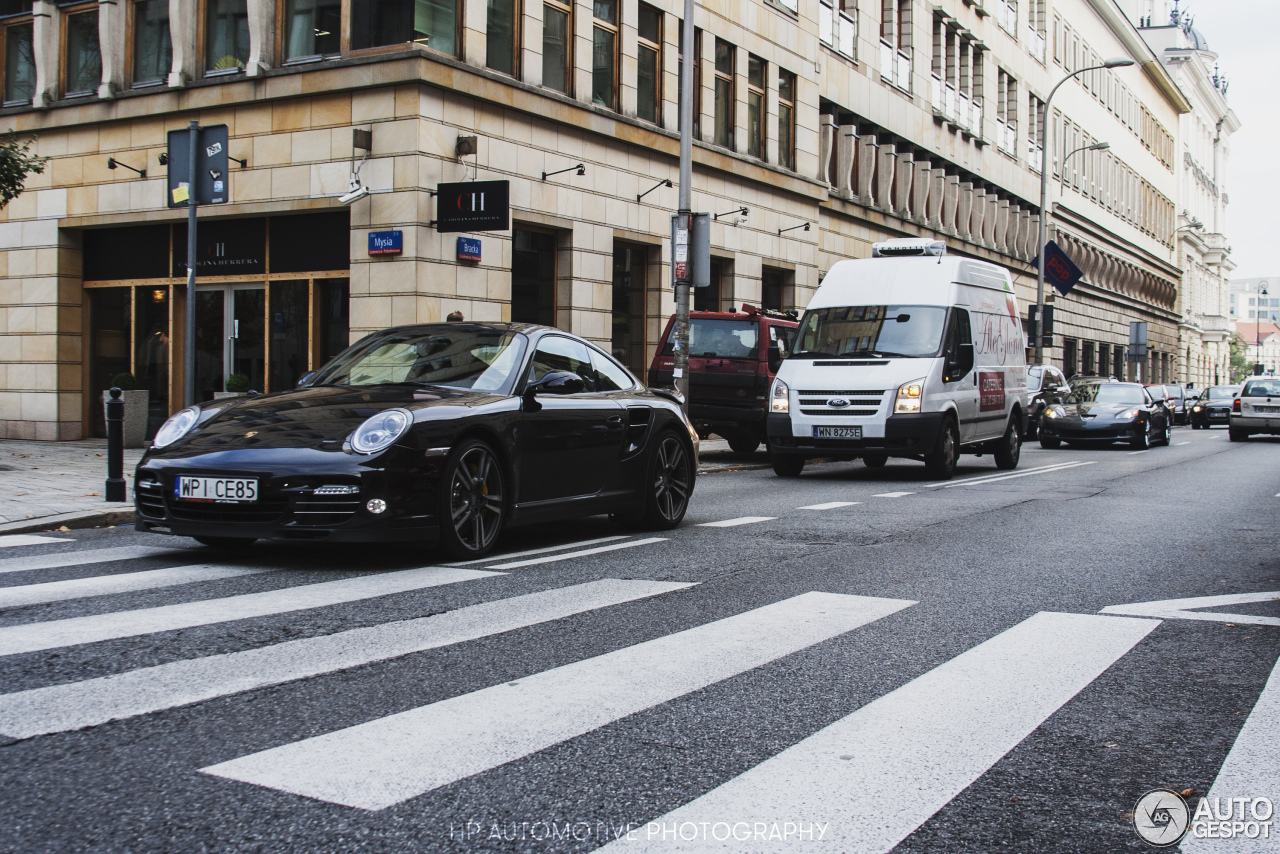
pixel 1241 367
pixel 16 163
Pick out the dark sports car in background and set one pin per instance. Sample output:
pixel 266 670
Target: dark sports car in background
pixel 443 432
pixel 1099 411
pixel 1213 406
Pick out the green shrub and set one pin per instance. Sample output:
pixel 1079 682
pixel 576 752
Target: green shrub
pixel 238 382
pixel 124 381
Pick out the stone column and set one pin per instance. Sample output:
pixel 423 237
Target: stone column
pixel 865 168
pixel 826 147
pixel 977 213
pixel 885 161
pixel 262 36
pixel 989 220
pixel 182 36
pixel 950 200
pixel 44 34
pixel 920 188
pixel 903 171
pixel 937 191
pixel 847 145
pixel 1002 226
pixel 111 17
pixel 1033 228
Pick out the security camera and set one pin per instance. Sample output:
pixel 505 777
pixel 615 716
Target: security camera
pixel 357 193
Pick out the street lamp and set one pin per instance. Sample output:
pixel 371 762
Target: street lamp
pixel 1114 62
pixel 1097 146
pixel 1262 292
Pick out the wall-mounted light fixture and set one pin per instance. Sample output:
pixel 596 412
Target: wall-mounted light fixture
pixel 243 163
pixel 581 167
pixel 803 225
pixel 164 158
pixel 742 211
pixel 112 163
pixel 663 183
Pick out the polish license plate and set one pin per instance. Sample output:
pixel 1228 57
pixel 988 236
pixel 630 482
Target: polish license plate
pixel 1267 409
pixel 223 489
pixel 837 432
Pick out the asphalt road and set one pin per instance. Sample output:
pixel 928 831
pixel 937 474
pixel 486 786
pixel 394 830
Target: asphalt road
pixel 856 660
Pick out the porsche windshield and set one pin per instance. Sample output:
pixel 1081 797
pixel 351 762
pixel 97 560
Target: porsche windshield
pixel 873 331
pixel 452 356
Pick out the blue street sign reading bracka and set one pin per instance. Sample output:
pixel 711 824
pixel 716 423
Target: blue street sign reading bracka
pixel 386 242
pixel 469 249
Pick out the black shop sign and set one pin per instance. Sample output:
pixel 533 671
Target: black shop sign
pixel 473 206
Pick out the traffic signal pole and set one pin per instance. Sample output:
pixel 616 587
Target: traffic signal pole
pixel 685 215
pixel 189 346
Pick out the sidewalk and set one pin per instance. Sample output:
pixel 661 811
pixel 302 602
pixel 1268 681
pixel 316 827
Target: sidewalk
pixel 51 484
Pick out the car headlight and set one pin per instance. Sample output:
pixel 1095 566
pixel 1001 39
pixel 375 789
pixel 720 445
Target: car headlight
pixel 381 431
pixel 176 427
pixel 1196 408
pixel 779 398
pixel 1128 413
pixel 1053 412
pixel 909 396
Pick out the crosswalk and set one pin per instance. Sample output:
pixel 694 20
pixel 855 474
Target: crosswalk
pixel 868 779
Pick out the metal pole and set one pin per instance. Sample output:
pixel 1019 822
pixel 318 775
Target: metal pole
pixel 189 357
pixel 686 200
pixel 115 487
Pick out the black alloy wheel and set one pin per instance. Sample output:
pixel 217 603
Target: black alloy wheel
pixel 1009 451
pixel 1142 441
pixel 940 463
pixel 669 485
pixel 230 544
pixel 1167 439
pixel 473 484
pixel 875 461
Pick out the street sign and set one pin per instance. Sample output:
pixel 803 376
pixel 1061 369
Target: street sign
pixel 469 250
pixel 1059 270
pixel 212 184
pixel 386 242
pixel 691 250
pixel 473 206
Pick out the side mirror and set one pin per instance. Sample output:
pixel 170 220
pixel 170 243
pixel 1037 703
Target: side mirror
pixel 555 382
pixel 305 378
pixel 775 359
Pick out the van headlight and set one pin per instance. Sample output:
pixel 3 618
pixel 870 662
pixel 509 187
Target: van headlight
pixel 909 397
pixel 176 427
pixel 779 399
pixel 381 431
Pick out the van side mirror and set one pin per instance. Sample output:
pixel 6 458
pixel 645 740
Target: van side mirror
pixel 775 359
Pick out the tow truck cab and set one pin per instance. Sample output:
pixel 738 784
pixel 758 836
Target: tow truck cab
pixel 729 369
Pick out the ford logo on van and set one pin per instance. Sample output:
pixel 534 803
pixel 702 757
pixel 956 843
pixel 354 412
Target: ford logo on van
pixel 837 402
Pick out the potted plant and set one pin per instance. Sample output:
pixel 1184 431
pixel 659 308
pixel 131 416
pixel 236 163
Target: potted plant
pixel 237 385
pixel 136 407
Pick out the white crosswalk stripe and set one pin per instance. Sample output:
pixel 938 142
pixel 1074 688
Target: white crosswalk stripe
pixel 830 505
pixel 733 523
pixel 533 561
pixel 27 540
pixel 102 585
pixel 32 563
pixel 58 708
pixel 122 624
pixel 389 760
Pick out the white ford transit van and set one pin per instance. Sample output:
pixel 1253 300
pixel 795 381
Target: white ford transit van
pixel 910 353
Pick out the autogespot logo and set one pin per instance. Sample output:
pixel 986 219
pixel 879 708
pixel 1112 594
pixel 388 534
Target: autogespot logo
pixel 1161 817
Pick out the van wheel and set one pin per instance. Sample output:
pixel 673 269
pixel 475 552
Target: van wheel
pixel 787 466
pixel 940 463
pixel 875 461
pixel 1009 451
pixel 744 442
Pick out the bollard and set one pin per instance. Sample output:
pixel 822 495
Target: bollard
pixel 115 490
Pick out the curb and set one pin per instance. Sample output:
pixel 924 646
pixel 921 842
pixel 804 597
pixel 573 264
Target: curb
pixel 78 519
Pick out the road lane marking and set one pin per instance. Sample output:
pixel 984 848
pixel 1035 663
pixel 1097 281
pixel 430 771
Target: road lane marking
pixel 892 494
pixel 1252 768
pixel 81 558
pixel 540 551
pixel 830 505
pixel 584 553
pixel 1131 453
pixel 29 540
pixel 981 477
pixel 995 478
pixel 1180 444
pixel 733 523
pixel 125 624
pixel 878 774
pixel 389 760
pixel 61 708
pixel 1184 609
pixel 125 582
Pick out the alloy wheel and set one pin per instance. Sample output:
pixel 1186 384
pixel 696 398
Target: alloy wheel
pixel 475 494
pixel 671 479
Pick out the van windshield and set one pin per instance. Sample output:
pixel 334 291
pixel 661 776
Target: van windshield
pixel 875 331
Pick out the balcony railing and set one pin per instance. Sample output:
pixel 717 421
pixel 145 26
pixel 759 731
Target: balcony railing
pixel 1034 153
pixel 837 30
pixel 975 118
pixel 902 74
pixel 962 110
pixel 1007 137
pixel 935 92
pixel 949 101
pixel 1035 43
pixel 886 61
pixel 895 66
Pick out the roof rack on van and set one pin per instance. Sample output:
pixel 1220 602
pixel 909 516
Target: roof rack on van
pixel 747 308
pixel 905 246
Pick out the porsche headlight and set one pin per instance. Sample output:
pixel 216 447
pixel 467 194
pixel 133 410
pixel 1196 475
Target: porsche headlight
pixel 1128 413
pixel 176 427
pixel 381 431
pixel 779 400
pixel 909 397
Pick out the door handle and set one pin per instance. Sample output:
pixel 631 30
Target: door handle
pixel 615 420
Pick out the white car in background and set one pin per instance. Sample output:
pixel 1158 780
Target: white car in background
pixel 1256 409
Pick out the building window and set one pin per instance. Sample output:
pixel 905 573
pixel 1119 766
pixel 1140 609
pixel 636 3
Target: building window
pixel 1007 113
pixel 312 29
pixel 152 50
pixel 386 23
pixel 1035 132
pixel 604 54
pixel 226 36
pixel 1069 357
pixel 755 106
pixel 838 26
pixel 533 277
pixel 724 93
pixel 697 80
pixel 83 58
pixel 895 43
pixel 786 119
pixel 500 39
pixel 1086 350
pixel 649 64
pixel 19 64
pixel 556 56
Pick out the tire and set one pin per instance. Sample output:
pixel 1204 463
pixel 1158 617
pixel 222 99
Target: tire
pixel 1236 435
pixel 668 485
pixel 1143 441
pixel 1050 444
pixel 472 497
pixel 230 544
pixel 875 461
pixel 1009 451
pixel 940 463
pixel 744 443
pixel 787 466
pixel 1167 438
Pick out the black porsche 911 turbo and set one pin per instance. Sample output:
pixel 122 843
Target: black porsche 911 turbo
pixel 443 433
pixel 1101 411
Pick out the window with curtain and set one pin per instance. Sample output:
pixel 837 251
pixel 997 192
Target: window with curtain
pixel 82 57
pixel 385 23
pixel 556 55
pixel 312 29
pixel 604 54
pixel 152 50
pixel 755 106
pixel 500 38
pixel 19 64
pixel 724 93
pixel 226 35
pixel 786 119
pixel 649 64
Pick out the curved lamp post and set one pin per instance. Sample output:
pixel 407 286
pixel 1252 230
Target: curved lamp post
pixel 1116 62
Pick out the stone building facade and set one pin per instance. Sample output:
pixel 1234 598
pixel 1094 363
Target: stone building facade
pixel 864 119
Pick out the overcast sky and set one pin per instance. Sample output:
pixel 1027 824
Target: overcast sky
pixel 1243 34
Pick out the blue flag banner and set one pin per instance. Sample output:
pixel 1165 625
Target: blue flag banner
pixel 1059 270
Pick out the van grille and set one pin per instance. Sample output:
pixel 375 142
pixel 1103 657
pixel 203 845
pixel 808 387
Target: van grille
pixel 825 413
pixel 841 393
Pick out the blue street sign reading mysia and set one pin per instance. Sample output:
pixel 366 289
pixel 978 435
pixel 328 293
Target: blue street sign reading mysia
pixel 386 242
pixel 1059 270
